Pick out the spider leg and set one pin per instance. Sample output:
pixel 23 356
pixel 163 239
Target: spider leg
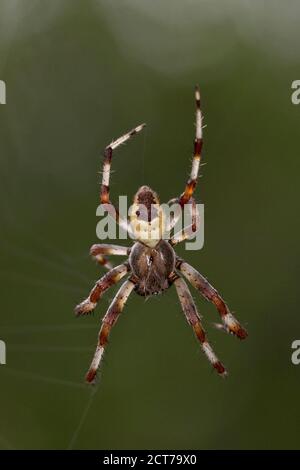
pixel 190 186
pixel 98 252
pixel 192 181
pixel 230 323
pixel 190 230
pixel 104 191
pixel 104 261
pixel 191 314
pixel 108 321
pixel 106 281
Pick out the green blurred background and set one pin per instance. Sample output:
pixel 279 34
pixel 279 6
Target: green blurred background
pixel 78 74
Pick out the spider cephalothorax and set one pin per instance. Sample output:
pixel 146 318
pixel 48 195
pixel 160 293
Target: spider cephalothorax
pixel 147 217
pixel 152 265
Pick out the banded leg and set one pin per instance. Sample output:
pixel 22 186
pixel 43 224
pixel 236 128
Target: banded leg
pixel 108 280
pixel 108 321
pixel 174 215
pixel 192 181
pixel 190 230
pixel 191 314
pixel 99 252
pixel 104 261
pixel 230 323
pixel 104 192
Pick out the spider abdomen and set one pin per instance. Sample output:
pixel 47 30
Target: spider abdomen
pixel 152 267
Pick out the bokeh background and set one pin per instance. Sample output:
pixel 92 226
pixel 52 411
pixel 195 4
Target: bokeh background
pixel 78 74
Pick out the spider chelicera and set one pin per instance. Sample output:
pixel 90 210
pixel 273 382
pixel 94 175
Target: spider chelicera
pixel 152 265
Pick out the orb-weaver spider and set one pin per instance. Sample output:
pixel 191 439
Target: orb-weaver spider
pixel 152 264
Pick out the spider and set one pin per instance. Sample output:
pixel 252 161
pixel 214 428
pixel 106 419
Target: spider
pixel 152 265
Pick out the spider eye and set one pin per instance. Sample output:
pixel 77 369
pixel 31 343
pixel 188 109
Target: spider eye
pixel 138 213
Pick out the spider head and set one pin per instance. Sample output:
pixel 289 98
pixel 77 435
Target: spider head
pixel 146 217
pixel 146 197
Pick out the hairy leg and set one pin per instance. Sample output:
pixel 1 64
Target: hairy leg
pixel 188 231
pixel 109 279
pixel 230 323
pixel 191 314
pixel 106 168
pixel 104 261
pixel 99 252
pixel 108 321
pixel 192 181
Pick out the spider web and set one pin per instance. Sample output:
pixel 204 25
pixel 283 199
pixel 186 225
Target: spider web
pixel 52 328
pixel 66 266
pixel 57 261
